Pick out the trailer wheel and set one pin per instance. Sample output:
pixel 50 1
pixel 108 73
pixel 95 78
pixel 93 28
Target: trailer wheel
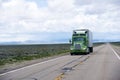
pixel 87 53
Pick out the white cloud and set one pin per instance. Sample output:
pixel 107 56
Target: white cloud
pixel 21 18
pixel 61 5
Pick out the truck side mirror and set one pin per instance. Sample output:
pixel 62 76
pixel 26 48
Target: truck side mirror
pixel 70 41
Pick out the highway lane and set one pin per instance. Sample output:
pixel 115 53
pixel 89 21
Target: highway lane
pixel 102 64
pixel 47 70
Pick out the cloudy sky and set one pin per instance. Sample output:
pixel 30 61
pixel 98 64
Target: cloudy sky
pixel 52 21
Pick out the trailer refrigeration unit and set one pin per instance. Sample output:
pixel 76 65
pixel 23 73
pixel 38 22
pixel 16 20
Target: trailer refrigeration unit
pixel 81 42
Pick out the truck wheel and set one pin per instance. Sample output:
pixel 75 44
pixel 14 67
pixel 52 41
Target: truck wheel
pixel 91 49
pixel 71 53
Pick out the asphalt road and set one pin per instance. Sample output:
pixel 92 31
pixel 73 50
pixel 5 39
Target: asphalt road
pixel 102 64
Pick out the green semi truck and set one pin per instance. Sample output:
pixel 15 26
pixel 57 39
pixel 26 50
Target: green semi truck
pixel 81 42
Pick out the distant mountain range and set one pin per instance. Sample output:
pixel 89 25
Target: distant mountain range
pixel 50 42
pixel 9 43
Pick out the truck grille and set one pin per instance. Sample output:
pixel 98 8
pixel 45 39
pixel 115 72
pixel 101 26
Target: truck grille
pixel 77 46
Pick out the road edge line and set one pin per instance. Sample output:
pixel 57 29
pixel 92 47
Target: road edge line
pixel 29 66
pixel 115 53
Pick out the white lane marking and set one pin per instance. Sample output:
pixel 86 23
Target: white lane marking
pixel 115 53
pixel 30 66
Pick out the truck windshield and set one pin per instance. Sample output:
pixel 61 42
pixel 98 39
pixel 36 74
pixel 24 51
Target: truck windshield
pixel 78 39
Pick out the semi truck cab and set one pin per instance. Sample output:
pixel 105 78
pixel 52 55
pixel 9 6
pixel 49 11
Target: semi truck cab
pixel 81 43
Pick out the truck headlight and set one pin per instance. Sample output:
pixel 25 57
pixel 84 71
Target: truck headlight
pixel 84 48
pixel 71 48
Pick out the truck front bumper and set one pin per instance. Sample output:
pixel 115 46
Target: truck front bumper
pixel 78 51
